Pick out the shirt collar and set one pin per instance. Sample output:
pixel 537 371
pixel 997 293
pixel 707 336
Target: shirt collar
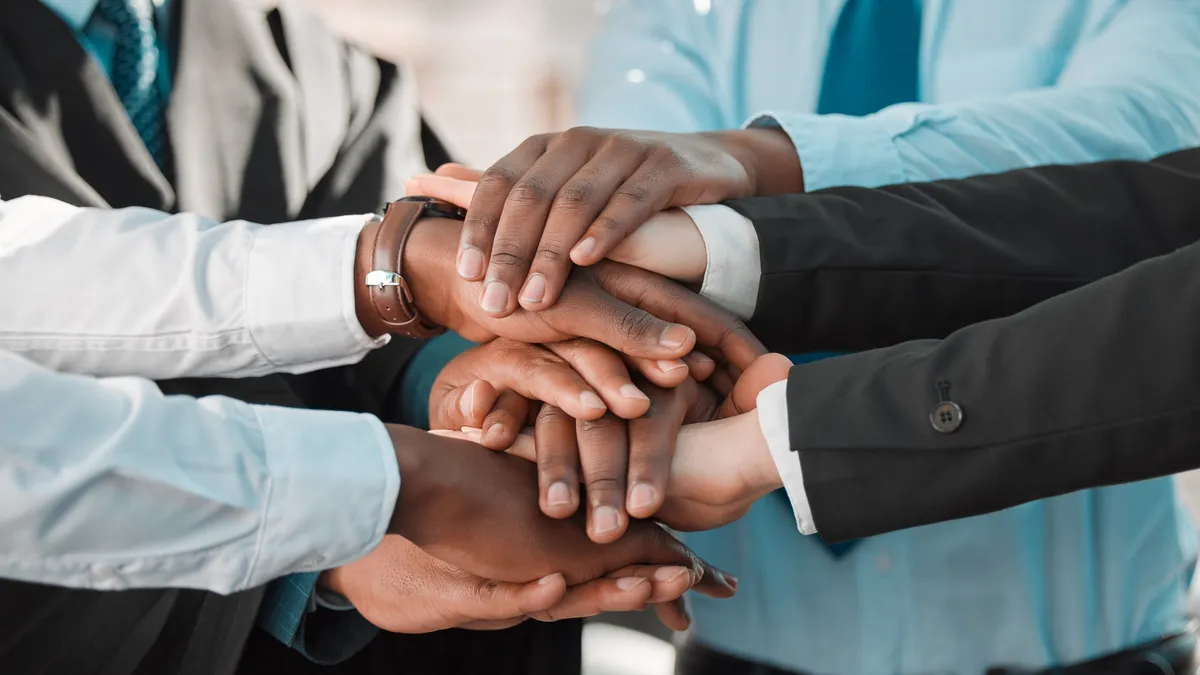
pixel 75 12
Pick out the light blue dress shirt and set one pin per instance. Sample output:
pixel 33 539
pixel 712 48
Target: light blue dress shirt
pixel 289 600
pixel 1003 85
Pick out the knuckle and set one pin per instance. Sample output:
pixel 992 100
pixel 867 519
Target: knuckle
pixel 579 135
pixel 550 255
pixel 507 253
pixel 497 177
pixel 575 194
pixel 528 193
pixel 608 224
pixel 486 591
pixel 635 324
pixel 604 484
pixel 637 193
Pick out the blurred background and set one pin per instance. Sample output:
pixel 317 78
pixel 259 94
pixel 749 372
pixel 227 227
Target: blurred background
pixel 510 71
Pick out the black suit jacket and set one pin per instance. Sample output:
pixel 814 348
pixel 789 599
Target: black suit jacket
pixel 271 119
pixel 1058 307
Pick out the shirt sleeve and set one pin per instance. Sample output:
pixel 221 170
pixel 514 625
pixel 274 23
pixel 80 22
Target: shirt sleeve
pixel 733 267
pixel 143 293
pixel 1129 91
pixel 294 613
pixel 773 420
pixel 108 484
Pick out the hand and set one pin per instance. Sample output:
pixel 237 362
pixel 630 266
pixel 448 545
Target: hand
pixel 583 377
pixel 691 482
pixel 400 588
pixel 633 311
pixel 572 196
pixel 476 509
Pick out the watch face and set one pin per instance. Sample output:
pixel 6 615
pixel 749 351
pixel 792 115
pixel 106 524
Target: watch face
pixel 436 208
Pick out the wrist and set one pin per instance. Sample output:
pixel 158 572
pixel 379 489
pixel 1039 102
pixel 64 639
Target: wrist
pixel 769 158
pixel 368 316
pixel 429 265
pixel 763 475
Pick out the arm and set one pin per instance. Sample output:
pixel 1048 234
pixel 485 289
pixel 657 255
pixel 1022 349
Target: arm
pixel 1127 91
pixel 855 268
pixel 142 293
pixel 112 485
pixel 1047 409
pixel 859 268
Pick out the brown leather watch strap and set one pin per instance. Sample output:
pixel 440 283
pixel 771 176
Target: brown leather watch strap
pixel 389 292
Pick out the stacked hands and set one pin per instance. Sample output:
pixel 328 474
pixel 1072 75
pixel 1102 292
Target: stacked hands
pixel 629 393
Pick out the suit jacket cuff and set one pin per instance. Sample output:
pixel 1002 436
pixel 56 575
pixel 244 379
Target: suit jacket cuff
pixel 733 269
pixel 841 149
pixel 773 419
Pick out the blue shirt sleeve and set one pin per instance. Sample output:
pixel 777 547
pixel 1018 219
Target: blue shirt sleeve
pixel 1129 91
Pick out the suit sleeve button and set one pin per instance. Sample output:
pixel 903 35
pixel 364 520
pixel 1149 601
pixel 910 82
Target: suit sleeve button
pixel 946 417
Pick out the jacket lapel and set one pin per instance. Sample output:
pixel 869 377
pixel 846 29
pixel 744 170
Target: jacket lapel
pixel 58 111
pixel 233 118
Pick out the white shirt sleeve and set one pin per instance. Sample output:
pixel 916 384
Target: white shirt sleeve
pixel 732 274
pixel 140 292
pixel 773 420
pixel 109 484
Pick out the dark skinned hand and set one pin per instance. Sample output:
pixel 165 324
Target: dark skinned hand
pixel 477 510
pixel 572 196
pixel 638 313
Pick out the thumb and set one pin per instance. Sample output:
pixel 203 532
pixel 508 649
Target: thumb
pixel 488 600
pixel 765 371
pixel 454 190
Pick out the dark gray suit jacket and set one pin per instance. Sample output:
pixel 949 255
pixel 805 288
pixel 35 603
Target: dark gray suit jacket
pixel 1058 307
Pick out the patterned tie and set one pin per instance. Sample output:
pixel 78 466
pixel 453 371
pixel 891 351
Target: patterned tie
pixel 135 67
pixel 872 63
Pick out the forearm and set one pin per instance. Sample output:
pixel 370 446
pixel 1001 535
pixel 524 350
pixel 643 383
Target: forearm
pixel 113 485
pixel 1090 388
pixel 139 292
pixel 854 268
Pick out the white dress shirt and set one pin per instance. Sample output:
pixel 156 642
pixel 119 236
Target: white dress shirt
pixel 731 279
pixel 105 482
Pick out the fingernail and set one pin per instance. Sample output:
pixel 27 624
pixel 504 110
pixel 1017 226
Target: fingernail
pixel 470 262
pixel 730 580
pixel 558 494
pixel 674 336
pixel 589 400
pixel 535 289
pixel 473 435
pixel 411 187
pixel 702 357
pixel 549 579
pixel 642 495
pixel 629 583
pixel 631 391
pixel 669 573
pixel 494 432
pixel 605 519
pixel 466 403
pixel 495 297
pixel 584 248
pixel 442 432
pixel 669 366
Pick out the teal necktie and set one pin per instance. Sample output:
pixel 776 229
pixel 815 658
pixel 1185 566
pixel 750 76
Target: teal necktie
pixel 872 63
pixel 135 68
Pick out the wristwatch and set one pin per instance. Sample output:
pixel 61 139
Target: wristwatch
pixel 389 292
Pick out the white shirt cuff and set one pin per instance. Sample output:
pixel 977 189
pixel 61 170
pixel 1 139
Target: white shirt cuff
pixel 773 420
pixel 734 268
pixel 334 482
pixel 300 294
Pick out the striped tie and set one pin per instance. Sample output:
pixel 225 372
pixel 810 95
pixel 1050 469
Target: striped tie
pixel 135 66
